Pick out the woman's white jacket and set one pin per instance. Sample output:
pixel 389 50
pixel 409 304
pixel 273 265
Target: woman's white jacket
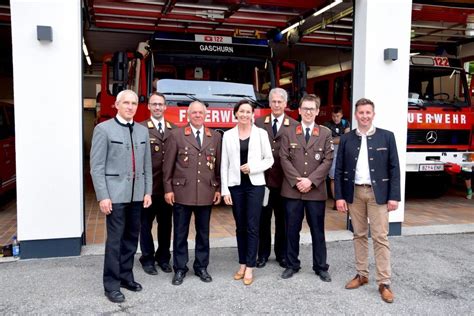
pixel 260 158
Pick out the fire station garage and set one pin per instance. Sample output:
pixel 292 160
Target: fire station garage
pixel 64 63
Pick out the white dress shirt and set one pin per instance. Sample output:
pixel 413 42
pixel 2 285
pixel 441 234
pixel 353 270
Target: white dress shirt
pixel 201 130
pixel 279 120
pixel 362 174
pixel 156 122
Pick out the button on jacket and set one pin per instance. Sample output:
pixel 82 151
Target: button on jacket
pixel 310 160
pixel 274 175
pixel 190 171
pixel 260 158
pixel 383 165
pixel 157 146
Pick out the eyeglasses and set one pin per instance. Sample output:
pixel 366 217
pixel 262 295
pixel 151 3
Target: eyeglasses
pixel 308 110
pixel 154 105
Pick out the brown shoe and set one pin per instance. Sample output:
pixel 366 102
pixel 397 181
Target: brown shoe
pixel 386 293
pixel 357 281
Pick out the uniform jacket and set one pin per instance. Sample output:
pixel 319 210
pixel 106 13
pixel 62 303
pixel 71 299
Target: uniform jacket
pixel 260 158
pixel 274 175
pixel 157 146
pixel 112 166
pixel 192 173
pixel 307 160
pixel 383 164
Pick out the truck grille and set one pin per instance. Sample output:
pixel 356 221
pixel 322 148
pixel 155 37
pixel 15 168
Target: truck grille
pixel 437 137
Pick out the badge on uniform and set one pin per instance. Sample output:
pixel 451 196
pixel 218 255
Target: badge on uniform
pixel 332 146
pixel 317 156
pixel 157 148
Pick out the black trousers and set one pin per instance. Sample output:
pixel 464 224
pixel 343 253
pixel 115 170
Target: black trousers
pixel 123 227
pixel 181 219
pixel 163 212
pixel 247 206
pixel 275 205
pixel 315 212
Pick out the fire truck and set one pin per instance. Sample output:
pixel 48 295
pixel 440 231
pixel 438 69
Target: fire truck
pixel 440 126
pixel 216 70
pixel 7 148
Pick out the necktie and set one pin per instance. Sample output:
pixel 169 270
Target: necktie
pixel 130 128
pixel 159 128
pixel 274 127
pixel 306 136
pixel 198 139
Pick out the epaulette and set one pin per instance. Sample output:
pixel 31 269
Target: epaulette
pixel 326 127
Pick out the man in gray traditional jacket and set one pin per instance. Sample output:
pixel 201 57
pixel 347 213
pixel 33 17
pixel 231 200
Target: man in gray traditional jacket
pixel 122 176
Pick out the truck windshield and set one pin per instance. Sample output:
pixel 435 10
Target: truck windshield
pixel 212 93
pixel 437 86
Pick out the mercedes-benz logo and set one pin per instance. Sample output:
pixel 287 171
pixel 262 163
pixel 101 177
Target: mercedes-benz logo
pixel 431 137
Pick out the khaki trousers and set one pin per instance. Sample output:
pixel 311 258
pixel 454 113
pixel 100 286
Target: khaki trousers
pixel 363 207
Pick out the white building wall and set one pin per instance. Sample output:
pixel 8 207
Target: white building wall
pixel 381 24
pixel 48 119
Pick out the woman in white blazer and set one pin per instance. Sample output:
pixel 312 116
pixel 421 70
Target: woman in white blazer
pixel 246 154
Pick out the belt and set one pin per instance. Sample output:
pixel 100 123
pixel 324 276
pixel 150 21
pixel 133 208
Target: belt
pixel 364 185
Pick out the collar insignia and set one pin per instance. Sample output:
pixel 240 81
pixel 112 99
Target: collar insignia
pixel 187 130
pixel 315 131
pixel 168 125
pixel 150 124
pixel 286 122
pixel 299 130
pixel 207 131
pixel 267 120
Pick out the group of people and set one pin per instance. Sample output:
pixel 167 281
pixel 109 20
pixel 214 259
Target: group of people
pixel 273 165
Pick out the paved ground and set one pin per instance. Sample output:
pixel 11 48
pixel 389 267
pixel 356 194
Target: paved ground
pixel 432 275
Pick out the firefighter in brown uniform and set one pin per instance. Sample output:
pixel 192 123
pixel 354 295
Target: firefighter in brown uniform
pixel 276 124
pixel 192 184
pixel 306 155
pixel 159 130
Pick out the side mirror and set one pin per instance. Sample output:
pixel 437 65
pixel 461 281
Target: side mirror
pixel 120 64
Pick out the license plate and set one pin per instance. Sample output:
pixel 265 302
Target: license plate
pixel 431 167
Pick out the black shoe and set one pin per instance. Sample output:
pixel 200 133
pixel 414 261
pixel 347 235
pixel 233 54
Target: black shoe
pixel 324 276
pixel 165 267
pixel 288 273
pixel 178 277
pixel 131 286
pixel 282 263
pixel 203 275
pixel 151 270
pixel 261 262
pixel 115 296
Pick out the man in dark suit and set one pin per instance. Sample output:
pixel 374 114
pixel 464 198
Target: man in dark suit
pixel 276 124
pixel 367 184
pixel 159 129
pixel 306 155
pixel 122 176
pixel 192 184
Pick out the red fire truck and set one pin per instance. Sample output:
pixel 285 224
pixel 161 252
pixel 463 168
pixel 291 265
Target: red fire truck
pixel 7 148
pixel 439 117
pixel 217 70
